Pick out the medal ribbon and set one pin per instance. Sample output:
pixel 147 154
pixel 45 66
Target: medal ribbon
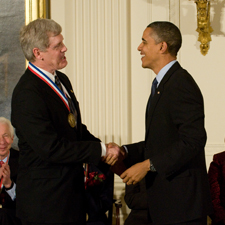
pixel 85 174
pixel 1 184
pixel 50 83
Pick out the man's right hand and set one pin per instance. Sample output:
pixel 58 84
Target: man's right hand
pixel 113 153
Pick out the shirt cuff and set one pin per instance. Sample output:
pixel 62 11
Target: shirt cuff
pixel 152 168
pixel 103 149
pixel 125 147
pixel 12 192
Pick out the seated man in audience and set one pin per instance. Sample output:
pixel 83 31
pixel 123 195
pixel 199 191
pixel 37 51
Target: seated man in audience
pixel 8 173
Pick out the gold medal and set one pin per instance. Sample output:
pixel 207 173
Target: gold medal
pixel 71 119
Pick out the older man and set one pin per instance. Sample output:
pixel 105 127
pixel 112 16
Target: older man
pixel 8 173
pixel 53 142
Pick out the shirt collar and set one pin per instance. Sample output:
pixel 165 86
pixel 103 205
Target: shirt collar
pixel 50 75
pixel 163 71
pixel 6 158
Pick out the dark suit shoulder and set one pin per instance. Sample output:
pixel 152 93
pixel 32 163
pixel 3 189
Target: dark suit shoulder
pixel 29 81
pixel 14 153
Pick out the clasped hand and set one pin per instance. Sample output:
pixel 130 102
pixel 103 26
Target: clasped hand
pixel 113 153
pixel 5 175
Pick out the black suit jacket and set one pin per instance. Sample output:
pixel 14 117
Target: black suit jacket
pixel 174 142
pixel 50 183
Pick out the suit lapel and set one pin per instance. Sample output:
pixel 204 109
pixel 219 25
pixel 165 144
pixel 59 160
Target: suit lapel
pixel 158 94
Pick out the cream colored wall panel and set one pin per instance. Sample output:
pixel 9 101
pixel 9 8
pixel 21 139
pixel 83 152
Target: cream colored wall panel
pixel 140 78
pixel 174 12
pixel 96 34
pixel 160 10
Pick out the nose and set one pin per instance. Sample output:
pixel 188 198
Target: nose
pixel 64 48
pixel 2 140
pixel 139 47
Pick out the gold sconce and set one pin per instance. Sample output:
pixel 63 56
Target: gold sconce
pixel 203 22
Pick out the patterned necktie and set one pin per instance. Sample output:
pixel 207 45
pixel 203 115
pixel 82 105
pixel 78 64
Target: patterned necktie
pixel 71 104
pixel 154 86
pixel 58 83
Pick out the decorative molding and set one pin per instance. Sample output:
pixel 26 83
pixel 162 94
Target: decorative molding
pixel 174 12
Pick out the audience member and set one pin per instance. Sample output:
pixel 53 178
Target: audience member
pixel 52 140
pixel 216 176
pixel 8 174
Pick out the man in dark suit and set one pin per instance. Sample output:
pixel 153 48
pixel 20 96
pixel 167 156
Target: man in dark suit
pixel 8 174
pixel 53 142
pixel 171 158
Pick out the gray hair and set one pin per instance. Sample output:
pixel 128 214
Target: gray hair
pixel 3 120
pixel 167 32
pixel 36 35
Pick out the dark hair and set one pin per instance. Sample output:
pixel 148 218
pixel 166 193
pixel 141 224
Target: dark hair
pixel 167 32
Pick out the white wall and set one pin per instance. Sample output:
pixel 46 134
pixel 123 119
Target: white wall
pixel 105 67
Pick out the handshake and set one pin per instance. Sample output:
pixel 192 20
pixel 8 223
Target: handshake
pixel 114 153
pixel 132 175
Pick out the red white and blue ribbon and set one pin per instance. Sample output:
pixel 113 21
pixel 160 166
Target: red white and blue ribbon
pixel 49 82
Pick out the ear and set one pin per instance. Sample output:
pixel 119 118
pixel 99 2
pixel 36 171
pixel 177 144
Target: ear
pixel 163 47
pixel 37 53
